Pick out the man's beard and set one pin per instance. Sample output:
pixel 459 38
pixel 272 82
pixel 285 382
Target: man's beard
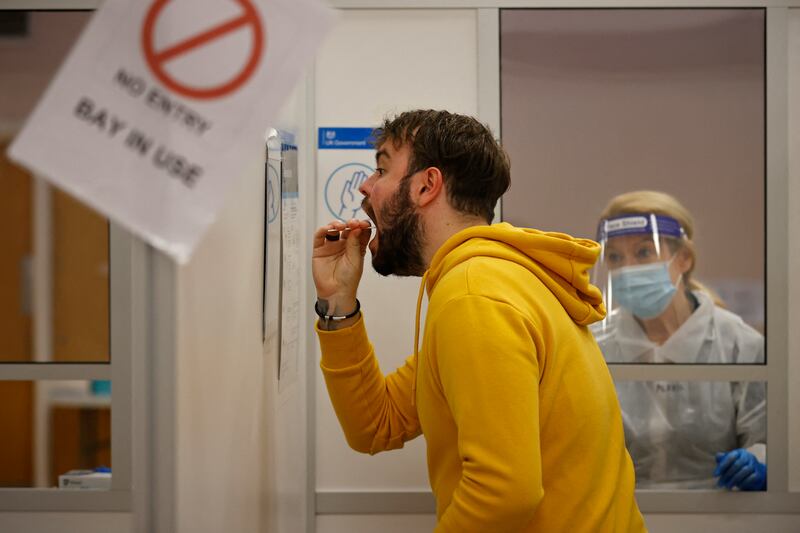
pixel 401 239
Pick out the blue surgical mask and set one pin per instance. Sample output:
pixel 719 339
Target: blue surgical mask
pixel 644 290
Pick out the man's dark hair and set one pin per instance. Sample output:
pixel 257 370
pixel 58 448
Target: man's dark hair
pixel 475 167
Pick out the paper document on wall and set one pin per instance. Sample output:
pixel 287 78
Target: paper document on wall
pixel 272 248
pixel 291 269
pixel 151 115
pixel 282 259
pixel 273 253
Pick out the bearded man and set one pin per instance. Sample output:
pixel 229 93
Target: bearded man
pixel 508 387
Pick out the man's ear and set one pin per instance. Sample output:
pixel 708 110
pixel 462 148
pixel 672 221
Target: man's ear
pixel 429 186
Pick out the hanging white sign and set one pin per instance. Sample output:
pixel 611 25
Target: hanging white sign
pixel 159 103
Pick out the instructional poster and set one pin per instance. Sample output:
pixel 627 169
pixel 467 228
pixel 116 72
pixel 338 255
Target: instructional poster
pixel 281 301
pixel 271 302
pixel 346 158
pixel 290 300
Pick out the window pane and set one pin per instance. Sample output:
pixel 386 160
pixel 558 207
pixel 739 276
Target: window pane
pixel 707 334
pixel 65 260
pixel 678 432
pixel 51 428
pixel 597 103
pixel 80 281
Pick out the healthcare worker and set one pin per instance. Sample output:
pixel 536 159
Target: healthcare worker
pixel 689 434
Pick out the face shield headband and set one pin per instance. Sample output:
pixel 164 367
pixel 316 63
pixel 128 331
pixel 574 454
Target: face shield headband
pixel 633 271
pixel 652 224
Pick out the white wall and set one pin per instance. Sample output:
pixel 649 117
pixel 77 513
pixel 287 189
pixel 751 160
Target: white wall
pixel 377 63
pixel 241 445
pixel 290 406
pixel 221 417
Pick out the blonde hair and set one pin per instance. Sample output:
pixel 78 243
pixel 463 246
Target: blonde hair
pixel 661 203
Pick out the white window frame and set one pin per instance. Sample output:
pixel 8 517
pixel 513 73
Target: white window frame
pixel 142 372
pixel 142 315
pixel 118 370
pixel 131 278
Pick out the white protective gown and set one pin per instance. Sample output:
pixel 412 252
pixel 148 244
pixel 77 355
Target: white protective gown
pixel 674 429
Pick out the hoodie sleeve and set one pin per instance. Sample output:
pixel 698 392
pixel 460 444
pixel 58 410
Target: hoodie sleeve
pixel 375 412
pixel 486 358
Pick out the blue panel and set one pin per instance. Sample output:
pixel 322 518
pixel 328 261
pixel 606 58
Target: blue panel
pixel 346 139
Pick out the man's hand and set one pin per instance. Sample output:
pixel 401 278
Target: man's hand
pixel 337 265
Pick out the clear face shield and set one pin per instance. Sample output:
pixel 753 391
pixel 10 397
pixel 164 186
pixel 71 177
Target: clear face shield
pixel 633 271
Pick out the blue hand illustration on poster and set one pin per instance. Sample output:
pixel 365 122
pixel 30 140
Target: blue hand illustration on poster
pixel 341 190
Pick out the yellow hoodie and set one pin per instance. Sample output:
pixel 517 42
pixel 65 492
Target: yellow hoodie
pixel 518 409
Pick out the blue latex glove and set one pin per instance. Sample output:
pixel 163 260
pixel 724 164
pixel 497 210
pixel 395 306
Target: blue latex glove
pixel 740 468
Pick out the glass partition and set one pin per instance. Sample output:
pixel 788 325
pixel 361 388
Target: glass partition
pixel 679 433
pixel 600 105
pixel 56 434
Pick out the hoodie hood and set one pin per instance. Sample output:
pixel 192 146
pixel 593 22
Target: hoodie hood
pixel 560 261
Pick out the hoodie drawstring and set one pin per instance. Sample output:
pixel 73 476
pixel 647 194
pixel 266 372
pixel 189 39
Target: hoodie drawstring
pixel 416 339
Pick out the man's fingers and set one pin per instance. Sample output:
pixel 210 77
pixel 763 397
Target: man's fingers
pixel 357 236
pixel 327 233
pixel 337 230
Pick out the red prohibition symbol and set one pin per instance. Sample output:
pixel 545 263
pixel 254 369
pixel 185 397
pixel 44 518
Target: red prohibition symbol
pixel 156 59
